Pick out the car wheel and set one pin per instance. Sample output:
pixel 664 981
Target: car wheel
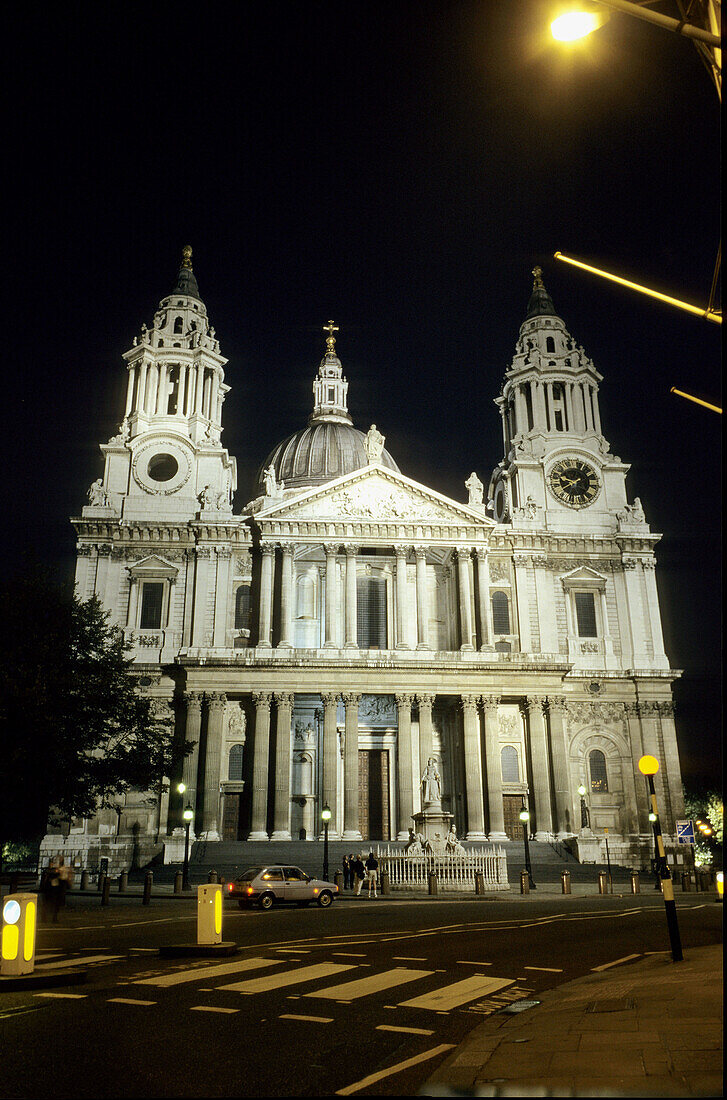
pixel 266 901
pixel 325 899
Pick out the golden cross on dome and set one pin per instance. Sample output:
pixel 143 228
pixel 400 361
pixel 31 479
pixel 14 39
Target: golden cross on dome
pixel 538 273
pixel 330 328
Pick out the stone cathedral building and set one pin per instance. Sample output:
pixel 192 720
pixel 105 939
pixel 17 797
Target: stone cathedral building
pixel 318 645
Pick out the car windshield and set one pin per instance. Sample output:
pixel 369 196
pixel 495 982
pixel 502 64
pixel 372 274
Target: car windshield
pixel 251 873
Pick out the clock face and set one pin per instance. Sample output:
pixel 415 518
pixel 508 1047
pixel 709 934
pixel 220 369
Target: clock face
pixel 574 482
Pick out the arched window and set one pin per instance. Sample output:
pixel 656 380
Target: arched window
pixel 550 344
pixel 597 768
pixel 242 607
pixel 178 325
pixel 500 613
pixel 510 765
pixel 234 766
pixel 306 597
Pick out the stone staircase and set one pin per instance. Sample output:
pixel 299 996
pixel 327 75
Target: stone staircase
pixel 230 858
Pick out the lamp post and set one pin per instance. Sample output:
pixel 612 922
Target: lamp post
pixel 585 817
pixel 525 819
pixel 188 815
pixel 326 815
pixel 649 766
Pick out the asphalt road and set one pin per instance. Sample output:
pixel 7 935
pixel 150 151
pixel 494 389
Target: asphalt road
pixel 316 1002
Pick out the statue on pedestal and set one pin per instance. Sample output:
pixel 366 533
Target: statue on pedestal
pixel 475 488
pixel 431 784
pixel 374 444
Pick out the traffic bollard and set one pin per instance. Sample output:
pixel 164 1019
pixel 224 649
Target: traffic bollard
pixel 635 886
pixel 432 882
pixel 212 876
pixel 178 878
pixel 524 883
pixel 148 880
pixel 719 883
pixel 17 940
pixel 686 881
pixel 85 880
pixel 338 879
pixel 101 881
pixel 106 891
pixel 565 881
pixel 479 882
pixel 385 884
pixel 602 882
pixel 123 881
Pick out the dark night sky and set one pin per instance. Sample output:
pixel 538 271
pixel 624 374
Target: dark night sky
pixel 399 167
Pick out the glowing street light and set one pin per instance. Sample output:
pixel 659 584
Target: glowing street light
pixel 525 818
pixel 188 815
pixel 572 25
pixel 326 815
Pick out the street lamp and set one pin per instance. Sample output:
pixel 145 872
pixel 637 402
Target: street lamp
pixel 187 815
pixel 326 815
pixel 525 818
pixel 585 819
pixel 649 766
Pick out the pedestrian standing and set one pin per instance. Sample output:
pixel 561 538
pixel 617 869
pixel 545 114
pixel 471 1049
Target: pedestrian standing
pixel 360 874
pixel 372 868
pixel 346 872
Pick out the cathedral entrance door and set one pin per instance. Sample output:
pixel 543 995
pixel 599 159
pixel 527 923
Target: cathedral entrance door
pixel 512 804
pixel 231 817
pixel 373 794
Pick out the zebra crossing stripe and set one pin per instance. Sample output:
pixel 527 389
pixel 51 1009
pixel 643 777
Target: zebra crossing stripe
pixel 374 983
pixel 452 996
pixel 85 960
pixel 289 977
pixel 202 973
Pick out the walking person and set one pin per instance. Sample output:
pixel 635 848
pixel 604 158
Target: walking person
pixel 372 867
pixel 360 874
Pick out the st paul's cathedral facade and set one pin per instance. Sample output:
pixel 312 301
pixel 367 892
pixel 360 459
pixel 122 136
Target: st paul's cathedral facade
pixel 320 646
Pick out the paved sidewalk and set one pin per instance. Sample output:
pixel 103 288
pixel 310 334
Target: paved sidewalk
pixel 646 1028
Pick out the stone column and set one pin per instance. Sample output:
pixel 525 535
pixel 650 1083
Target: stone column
pixel 331 599
pixel 133 602
pixel 266 593
pixel 286 597
pixel 541 768
pixel 199 387
pixel 351 829
pixel 404 769
pixel 493 768
pixel 129 390
pixel 672 770
pixel 222 595
pixel 465 602
pixel 596 410
pixel 260 753
pixel 401 601
pixel 351 641
pixel 473 770
pixel 426 702
pixel 190 766
pixel 652 603
pixel 569 406
pixel 330 761
pixel 213 756
pixel 281 809
pixel 422 599
pixel 522 601
pixel 643 807
pixel 565 822
pixel 545 595
pixel 203 555
pixel 483 597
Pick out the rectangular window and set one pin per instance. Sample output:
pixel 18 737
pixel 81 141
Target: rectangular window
pixel 151 606
pixel 371 613
pixel 586 614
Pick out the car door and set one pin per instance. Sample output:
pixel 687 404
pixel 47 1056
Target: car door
pixel 272 879
pixel 296 885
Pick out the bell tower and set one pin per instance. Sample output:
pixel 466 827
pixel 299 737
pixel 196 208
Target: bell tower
pixel 167 461
pixel 557 467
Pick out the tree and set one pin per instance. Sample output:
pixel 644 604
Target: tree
pixel 706 810
pixel 74 730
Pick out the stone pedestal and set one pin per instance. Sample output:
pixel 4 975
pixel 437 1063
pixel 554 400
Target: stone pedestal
pixel 433 825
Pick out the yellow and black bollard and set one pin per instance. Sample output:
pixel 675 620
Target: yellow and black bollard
pixel 635 887
pixel 649 766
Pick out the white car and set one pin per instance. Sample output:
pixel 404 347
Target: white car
pixel 276 884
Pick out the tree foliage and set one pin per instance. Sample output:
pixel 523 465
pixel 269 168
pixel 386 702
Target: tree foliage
pixel 74 730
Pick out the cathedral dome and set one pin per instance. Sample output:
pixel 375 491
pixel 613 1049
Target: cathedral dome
pixel 322 451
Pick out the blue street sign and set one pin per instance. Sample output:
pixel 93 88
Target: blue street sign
pixel 685 832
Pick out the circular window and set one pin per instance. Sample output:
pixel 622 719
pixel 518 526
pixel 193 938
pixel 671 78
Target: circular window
pixel 162 467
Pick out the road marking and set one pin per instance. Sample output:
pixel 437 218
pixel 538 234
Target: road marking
pixel 128 1001
pixel 66 996
pixel 452 996
pixel 211 1008
pixel 468 962
pixel 294 950
pixel 350 954
pixel 374 1077
pixel 375 983
pixel 202 973
pixel 288 977
pixel 545 969
pixel 83 961
pixel 405 1030
pixel 616 962
pixel 309 1019
pixel 409 958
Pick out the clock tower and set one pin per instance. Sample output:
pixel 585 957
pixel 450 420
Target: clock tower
pixel 557 466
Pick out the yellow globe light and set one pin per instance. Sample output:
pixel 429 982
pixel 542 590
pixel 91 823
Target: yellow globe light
pixel 648 765
pixel 576 24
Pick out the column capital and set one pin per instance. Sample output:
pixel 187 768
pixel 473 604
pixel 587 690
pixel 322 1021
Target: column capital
pixel 350 549
pixel 329 698
pixel 481 553
pixel 267 548
pixel 261 699
pixel 402 551
pixel 287 547
pixel 404 700
pixel 490 702
pixel 468 702
pixel 556 704
pixel 351 698
pixel 425 700
pixel 534 702
pixel 193 699
pixel 284 698
pixel 464 553
pixel 331 549
pixel 421 553
pixel 217 700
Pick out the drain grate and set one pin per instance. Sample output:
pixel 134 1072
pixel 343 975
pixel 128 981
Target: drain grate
pixel 621 1004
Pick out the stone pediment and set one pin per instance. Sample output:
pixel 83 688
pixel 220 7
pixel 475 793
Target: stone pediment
pixel 376 494
pixel 583 576
pixel 152 567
